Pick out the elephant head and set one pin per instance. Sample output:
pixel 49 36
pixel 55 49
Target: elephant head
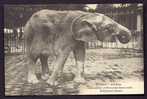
pixel 102 28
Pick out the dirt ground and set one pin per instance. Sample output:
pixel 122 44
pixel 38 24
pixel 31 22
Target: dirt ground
pixel 103 68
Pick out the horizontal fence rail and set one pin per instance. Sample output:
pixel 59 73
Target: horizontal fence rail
pixel 14 45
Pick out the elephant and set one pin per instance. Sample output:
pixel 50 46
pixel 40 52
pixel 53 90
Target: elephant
pixel 50 33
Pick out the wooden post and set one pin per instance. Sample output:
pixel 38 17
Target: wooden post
pixel 138 22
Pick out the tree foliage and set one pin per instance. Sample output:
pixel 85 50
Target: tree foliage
pixel 17 15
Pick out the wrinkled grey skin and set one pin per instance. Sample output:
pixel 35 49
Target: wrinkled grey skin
pixel 51 33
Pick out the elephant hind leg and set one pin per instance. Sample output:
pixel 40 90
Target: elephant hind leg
pixel 45 69
pixel 31 71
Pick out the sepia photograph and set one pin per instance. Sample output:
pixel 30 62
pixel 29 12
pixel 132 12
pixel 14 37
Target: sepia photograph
pixel 73 49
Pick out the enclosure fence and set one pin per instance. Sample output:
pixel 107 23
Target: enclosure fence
pixel 14 45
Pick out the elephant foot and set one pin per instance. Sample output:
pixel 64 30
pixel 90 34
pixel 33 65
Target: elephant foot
pixel 32 79
pixel 79 80
pixel 45 76
pixel 52 82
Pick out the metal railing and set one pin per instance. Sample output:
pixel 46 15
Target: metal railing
pixel 13 45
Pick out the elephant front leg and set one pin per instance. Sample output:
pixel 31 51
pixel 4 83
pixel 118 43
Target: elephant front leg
pixel 80 71
pixel 79 53
pixel 58 66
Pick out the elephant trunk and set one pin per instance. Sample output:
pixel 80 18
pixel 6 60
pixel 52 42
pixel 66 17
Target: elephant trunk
pixel 124 35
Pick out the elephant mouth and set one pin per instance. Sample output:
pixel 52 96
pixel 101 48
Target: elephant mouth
pixel 112 39
pixel 107 38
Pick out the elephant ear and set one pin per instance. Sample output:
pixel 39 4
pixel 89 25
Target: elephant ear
pixel 87 32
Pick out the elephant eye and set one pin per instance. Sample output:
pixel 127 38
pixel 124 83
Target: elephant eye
pixel 106 30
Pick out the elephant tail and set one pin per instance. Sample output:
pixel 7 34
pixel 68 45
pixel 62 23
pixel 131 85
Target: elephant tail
pixel 28 33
